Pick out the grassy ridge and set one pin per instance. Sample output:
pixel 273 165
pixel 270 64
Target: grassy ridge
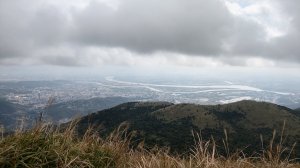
pixel 164 124
pixel 47 146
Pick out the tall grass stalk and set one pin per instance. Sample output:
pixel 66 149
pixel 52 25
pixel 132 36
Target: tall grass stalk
pixel 48 146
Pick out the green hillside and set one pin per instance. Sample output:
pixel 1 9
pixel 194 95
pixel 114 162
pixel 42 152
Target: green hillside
pixel 166 124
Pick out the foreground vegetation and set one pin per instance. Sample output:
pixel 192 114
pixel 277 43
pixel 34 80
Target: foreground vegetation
pixel 47 146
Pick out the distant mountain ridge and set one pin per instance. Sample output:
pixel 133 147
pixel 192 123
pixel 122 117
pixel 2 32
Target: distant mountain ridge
pixel 167 124
pixel 70 109
pixel 10 113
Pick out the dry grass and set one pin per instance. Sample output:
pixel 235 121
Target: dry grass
pixel 46 146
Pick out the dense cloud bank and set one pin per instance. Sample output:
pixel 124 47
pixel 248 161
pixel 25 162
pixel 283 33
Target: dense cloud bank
pixel 60 33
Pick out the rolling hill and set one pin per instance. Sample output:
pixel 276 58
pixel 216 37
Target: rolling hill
pixel 167 124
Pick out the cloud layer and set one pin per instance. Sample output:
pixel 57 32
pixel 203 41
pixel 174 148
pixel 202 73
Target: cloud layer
pixel 81 32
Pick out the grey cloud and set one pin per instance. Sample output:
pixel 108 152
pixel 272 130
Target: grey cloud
pixel 13 19
pixel 49 26
pixel 194 27
pixel 26 27
pixel 288 45
pixel 60 60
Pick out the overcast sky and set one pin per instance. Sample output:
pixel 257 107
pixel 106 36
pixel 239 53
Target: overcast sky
pixel 193 33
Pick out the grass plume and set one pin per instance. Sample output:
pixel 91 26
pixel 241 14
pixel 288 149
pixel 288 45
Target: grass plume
pixel 48 146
